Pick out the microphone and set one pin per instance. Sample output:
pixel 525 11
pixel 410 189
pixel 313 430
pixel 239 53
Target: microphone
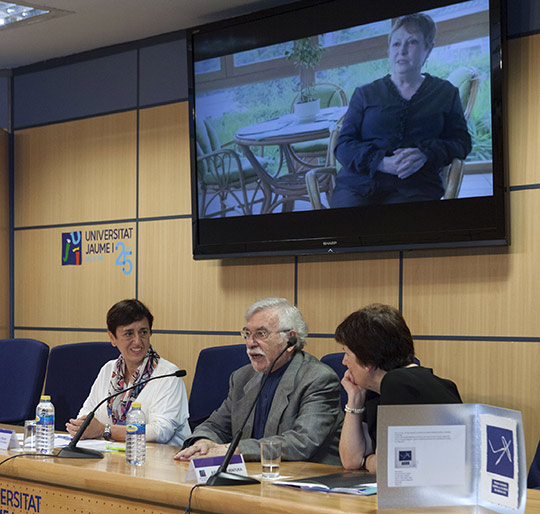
pixel 222 477
pixel 72 451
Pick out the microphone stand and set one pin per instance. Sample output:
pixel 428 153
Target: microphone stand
pixel 222 477
pixel 72 451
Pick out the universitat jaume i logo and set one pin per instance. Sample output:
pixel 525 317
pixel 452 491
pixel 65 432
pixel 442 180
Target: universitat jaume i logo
pixel 71 248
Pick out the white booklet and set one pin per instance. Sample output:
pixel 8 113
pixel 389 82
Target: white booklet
pixel 349 482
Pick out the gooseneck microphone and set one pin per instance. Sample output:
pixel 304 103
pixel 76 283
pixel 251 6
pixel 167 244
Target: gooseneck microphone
pixel 222 477
pixel 72 451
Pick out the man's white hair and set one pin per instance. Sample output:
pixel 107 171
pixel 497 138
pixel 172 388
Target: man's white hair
pixel 289 317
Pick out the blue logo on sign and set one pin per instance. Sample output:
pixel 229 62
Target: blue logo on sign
pixel 71 248
pixel 500 451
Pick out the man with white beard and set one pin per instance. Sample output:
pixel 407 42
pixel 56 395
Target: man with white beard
pixel 299 404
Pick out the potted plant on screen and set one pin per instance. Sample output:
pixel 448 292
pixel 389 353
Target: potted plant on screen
pixel 306 55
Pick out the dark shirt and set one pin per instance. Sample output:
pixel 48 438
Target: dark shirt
pixel 265 401
pixel 408 386
pixel 379 120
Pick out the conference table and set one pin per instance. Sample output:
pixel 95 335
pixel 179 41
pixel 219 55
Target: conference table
pixel 47 485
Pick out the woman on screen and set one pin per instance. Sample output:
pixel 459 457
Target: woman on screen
pixel 379 355
pixel 400 130
pixel 164 402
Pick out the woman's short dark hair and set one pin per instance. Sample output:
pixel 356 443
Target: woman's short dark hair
pixel 127 312
pixel 378 336
pixel 419 22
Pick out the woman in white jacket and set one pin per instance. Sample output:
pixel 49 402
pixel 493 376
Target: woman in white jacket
pixel 164 402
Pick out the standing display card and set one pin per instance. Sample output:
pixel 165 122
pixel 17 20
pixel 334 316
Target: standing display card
pixel 202 469
pixel 8 440
pixel 445 455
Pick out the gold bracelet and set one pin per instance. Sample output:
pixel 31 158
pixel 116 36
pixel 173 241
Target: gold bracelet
pixel 355 411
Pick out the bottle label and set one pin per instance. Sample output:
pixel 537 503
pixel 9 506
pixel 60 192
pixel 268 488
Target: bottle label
pixel 134 429
pixel 47 419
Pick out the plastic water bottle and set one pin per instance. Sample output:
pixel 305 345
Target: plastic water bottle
pixel 135 435
pixel 45 425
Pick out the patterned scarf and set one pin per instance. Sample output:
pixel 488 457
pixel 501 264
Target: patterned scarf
pixel 118 407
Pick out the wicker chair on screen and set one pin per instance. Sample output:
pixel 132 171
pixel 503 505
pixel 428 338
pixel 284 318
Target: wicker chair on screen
pixel 227 181
pixel 323 179
pixel 466 79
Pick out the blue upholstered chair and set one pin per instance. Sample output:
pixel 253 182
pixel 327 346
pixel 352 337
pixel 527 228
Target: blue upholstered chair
pixel 334 360
pixel 211 380
pixel 22 370
pixel 533 480
pixel 70 375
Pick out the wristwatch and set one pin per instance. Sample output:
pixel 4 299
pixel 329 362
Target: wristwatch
pixel 107 432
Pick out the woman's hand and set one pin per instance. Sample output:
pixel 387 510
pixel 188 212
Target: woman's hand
pixel 93 431
pixel 352 444
pixel 410 161
pixel 371 463
pixel 356 394
pixel 404 162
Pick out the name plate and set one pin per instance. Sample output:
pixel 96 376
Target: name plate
pixel 202 469
pixel 8 440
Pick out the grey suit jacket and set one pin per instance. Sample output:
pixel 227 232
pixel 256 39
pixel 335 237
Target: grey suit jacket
pixel 305 414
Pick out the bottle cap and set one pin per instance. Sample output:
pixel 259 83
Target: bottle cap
pixel 46 397
pixel 136 405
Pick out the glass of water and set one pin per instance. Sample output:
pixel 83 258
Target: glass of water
pixel 29 437
pixel 270 458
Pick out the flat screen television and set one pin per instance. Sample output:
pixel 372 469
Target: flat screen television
pixel 419 164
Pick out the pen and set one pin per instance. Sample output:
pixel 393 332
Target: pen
pixel 115 448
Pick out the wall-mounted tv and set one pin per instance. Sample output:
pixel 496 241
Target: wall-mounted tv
pixel 327 126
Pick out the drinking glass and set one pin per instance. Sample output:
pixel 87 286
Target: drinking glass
pixel 29 437
pixel 270 458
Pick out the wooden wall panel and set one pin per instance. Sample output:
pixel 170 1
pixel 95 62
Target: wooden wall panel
pixel 203 295
pixel 4 234
pixel 48 294
pixel 486 292
pixel 504 374
pixel 330 289
pixel 76 171
pixel 523 109
pixel 54 338
pixel 322 346
pixel 164 173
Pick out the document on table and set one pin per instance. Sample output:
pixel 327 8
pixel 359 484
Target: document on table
pixel 351 482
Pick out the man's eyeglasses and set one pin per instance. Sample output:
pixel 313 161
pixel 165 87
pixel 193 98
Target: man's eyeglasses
pixel 129 335
pixel 260 334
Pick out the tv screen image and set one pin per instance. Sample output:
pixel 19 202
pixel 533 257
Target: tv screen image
pixel 334 126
